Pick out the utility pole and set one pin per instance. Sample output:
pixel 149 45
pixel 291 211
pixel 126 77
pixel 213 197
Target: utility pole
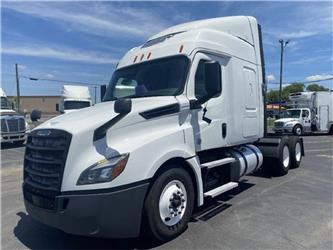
pixel 17 88
pixel 283 45
pixel 95 87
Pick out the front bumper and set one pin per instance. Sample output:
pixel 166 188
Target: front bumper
pixel 114 214
pixel 13 137
pixel 283 129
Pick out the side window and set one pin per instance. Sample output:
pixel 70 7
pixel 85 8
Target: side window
pixel 200 89
pixel 305 113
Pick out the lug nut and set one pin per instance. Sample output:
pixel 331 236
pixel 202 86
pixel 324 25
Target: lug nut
pixel 182 207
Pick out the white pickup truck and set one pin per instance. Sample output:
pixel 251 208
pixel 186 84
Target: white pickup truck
pixel 311 112
pixel 171 132
pixel 14 127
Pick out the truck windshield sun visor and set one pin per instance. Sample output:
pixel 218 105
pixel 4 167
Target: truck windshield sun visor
pixel 160 39
pixel 159 77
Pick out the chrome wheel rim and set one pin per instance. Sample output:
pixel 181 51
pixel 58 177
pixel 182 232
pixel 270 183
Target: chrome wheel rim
pixel 286 157
pixel 298 131
pixel 298 153
pixel 172 204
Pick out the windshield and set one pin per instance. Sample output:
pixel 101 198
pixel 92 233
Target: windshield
pixel 76 104
pixel 5 103
pixel 161 77
pixel 295 113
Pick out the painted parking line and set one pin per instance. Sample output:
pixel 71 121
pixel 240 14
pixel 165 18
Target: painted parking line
pixel 11 161
pixel 318 150
pixel 311 142
pixel 326 156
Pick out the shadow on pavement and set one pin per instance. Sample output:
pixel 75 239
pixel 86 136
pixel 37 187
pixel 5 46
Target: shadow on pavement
pixel 7 145
pixel 35 235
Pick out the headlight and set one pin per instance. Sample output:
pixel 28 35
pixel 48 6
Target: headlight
pixel 289 125
pixel 27 127
pixel 103 171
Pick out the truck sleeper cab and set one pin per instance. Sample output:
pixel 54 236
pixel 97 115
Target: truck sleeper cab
pixel 170 133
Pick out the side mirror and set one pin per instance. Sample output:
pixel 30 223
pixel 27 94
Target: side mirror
pixel 123 106
pixel 35 115
pixel 212 81
pixel 57 107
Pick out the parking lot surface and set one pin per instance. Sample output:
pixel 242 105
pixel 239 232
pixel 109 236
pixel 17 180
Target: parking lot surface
pixel 288 212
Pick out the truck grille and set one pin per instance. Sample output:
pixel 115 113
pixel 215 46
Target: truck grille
pixel 12 125
pixel 3 125
pixel 44 163
pixel 278 124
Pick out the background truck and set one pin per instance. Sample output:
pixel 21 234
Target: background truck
pixel 170 134
pixel 74 97
pixel 13 125
pixel 311 112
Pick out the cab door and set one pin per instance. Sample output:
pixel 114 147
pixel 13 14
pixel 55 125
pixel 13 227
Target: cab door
pixel 209 126
pixel 306 120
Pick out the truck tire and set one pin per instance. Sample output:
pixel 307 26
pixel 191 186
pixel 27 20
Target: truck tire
pixel 295 146
pixel 169 205
pixel 298 130
pixel 330 132
pixel 282 163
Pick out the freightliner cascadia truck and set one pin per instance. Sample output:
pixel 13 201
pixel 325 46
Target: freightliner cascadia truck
pixel 182 120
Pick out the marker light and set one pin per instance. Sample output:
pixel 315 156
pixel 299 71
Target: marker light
pixel 181 48
pixel 103 171
pixel 142 56
pixel 135 58
pixel 149 55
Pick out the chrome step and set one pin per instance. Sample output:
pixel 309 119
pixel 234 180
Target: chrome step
pixel 218 163
pixel 221 189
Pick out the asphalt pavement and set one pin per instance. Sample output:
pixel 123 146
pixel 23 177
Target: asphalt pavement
pixel 264 212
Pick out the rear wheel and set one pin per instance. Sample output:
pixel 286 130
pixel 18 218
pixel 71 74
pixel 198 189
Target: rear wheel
pixel 295 147
pixel 169 205
pixel 283 162
pixel 298 130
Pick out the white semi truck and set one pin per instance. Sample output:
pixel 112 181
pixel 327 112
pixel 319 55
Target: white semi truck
pixel 311 112
pixel 181 122
pixel 14 127
pixel 73 98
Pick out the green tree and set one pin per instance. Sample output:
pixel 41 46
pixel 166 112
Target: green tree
pixel 273 95
pixel 316 87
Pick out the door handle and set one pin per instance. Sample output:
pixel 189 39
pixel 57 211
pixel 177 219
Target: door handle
pixel 224 130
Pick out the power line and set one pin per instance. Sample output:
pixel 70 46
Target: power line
pixel 57 80
pixel 304 82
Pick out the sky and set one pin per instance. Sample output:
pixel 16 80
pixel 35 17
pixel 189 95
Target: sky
pixel 82 41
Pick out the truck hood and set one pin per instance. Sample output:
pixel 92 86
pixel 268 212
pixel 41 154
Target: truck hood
pixel 10 113
pixel 93 117
pixel 4 112
pixel 286 120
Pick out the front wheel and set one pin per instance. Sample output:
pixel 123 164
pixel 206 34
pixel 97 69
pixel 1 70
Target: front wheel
pixel 298 130
pixel 169 205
